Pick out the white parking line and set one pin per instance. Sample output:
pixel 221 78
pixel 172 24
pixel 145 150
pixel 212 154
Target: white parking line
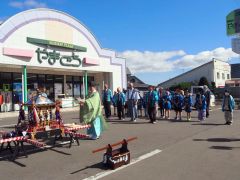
pixel 134 161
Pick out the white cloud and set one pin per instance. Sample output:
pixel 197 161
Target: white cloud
pixel 27 4
pixel 148 61
pixel 191 61
pixel 165 61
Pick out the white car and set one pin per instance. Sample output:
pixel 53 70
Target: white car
pixel 195 90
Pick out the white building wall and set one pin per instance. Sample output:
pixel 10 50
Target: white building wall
pixel 209 70
pixel 224 70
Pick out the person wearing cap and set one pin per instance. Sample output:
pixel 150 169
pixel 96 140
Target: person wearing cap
pixel 91 113
pixel 228 105
pixel 132 97
pixel 207 95
pixel 152 101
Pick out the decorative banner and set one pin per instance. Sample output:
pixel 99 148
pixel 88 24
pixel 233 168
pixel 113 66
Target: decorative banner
pixel 236 45
pixel 233 22
pixel 18 138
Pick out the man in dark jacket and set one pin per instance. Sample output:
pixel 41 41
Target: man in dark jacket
pixel 208 97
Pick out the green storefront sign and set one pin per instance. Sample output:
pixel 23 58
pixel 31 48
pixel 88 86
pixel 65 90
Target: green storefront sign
pixel 56 44
pixel 233 22
pixel 53 56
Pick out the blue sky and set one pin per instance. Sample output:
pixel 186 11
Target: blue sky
pixel 160 39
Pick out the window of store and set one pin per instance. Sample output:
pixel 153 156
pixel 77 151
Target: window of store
pixel 6 90
pixel 76 86
pixel 17 90
pixel 223 76
pixel 69 86
pixel 58 85
pixel 49 85
pixel 218 75
pixel 228 76
pixel 32 85
pixel 41 81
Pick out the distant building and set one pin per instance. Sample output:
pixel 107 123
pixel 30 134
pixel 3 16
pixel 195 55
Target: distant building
pixel 235 71
pixel 138 84
pixel 235 74
pixel 215 71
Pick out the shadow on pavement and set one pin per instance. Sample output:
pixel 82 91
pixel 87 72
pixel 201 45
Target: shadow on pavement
pixel 130 122
pixel 224 147
pixel 94 166
pixel 217 140
pixel 60 152
pixel 208 124
pixel 14 161
pixel 174 120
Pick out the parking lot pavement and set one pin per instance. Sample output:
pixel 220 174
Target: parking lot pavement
pixel 188 150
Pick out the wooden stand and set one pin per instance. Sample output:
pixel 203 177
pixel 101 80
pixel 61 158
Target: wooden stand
pixel 116 158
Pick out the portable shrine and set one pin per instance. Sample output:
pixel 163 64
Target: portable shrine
pixel 115 158
pixel 40 118
pixel 42 122
pixel 39 123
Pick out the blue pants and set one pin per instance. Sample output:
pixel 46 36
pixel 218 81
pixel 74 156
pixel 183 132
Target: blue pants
pixel 96 128
pixel 132 110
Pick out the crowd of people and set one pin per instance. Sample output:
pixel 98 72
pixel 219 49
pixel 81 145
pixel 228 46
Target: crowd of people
pixel 162 101
pixel 131 103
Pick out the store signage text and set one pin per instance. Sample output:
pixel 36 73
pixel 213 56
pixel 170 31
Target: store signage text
pixel 56 44
pixel 53 56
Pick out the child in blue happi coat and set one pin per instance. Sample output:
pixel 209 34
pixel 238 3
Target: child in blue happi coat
pixel 201 106
pixel 167 104
pixel 188 104
pixel 178 104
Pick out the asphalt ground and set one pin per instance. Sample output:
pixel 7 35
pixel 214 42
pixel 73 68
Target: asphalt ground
pixel 189 150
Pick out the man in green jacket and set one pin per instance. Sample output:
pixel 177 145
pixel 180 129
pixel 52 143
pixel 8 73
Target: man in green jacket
pixel 91 113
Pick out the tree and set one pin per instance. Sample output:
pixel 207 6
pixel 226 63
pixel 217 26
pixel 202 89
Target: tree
pixel 181 85
pixel 203 81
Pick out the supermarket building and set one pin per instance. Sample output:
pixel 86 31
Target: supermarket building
pixel 51 50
